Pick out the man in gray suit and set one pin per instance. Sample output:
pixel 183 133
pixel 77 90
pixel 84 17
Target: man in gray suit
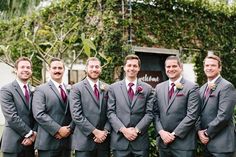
pixel 215 126
pixel 88 103
pixel 51 111
pixel 15 98
pixel 130 105
pixel 177 104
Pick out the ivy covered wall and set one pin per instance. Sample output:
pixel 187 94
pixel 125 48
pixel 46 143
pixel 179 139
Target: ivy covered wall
pixel 191 26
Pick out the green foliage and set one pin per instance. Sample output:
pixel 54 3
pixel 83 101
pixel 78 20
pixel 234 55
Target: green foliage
pixel 15 8
pixel 194 26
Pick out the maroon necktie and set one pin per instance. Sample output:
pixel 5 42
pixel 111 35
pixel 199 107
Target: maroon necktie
pixel 96 92
pixel 63 94
pixel 27 96
pixel 171 91
pixel 130 92
pixel 207 92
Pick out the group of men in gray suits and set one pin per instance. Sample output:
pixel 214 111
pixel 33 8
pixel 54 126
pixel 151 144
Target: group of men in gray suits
pixel 96 117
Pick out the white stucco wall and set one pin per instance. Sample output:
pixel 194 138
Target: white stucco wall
pixel 188 72
pixel 7 76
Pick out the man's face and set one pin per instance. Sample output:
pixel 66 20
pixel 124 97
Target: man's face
pixel 24 71
pixel 173 69
pixel 57 70
pixel 211 68
pixel 93 69
pixel 131 68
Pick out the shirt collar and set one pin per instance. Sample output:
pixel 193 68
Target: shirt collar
pixel 58 84
pixel 134 82
pixel 177 81
pixel 214 80
pixel 21 84
pixel 92 83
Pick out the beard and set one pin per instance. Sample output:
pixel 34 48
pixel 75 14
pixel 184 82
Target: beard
pixel 92 76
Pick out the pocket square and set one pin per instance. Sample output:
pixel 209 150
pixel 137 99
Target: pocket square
pixel 140 97
pixel 105 97
pixel 180 94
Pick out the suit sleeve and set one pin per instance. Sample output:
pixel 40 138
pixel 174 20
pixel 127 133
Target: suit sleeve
pixel 77 112
pixel 157 121
pixel 193 107
pixel 10 113
pixel 227 100
pixel 148 117
pixel 107 126
pixel 40 113
pixel 111 111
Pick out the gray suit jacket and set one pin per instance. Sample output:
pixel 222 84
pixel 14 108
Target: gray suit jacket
pixel 88 113
pixel 122 112
pixel 217 116
pixel 51 113
pixel 18 116
pixel 178 114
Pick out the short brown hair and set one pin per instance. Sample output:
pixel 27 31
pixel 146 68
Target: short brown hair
pixel 132 56
pixel 92 59
pixel 22 59
pixel 215 57
pixel 174 58
pixel 56 59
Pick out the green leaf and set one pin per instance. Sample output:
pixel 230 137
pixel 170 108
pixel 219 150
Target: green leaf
pixel 82 36
pixel 89 43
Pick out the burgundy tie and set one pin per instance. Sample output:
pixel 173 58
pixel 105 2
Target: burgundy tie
pixel 96 92
pixel 63 94
pixel 171 91
pixel 130 92
pixel 27 96
pixel 207 92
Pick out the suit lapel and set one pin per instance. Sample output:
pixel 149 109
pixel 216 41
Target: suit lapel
pixel 175 93
pixel 124 91
pixel 136 93
pixel 20 92
pixel 55 90
pixel 90 90
pixel 101 95
pixel 31 95
pixel 67 100
pixel 166 96
pixel 173 97
pixel 205 100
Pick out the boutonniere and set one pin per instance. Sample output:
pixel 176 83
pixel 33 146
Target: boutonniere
pixel 140 89
pixel 212 86
pixel 103 87
pixel 32 89
pixel 68 87
pixel 179 85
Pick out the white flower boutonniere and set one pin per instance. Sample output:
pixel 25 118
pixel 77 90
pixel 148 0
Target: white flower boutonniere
pixel 103 87
pixel 179 85
pixel 212 86
pixel 32 89
pixel 68 87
